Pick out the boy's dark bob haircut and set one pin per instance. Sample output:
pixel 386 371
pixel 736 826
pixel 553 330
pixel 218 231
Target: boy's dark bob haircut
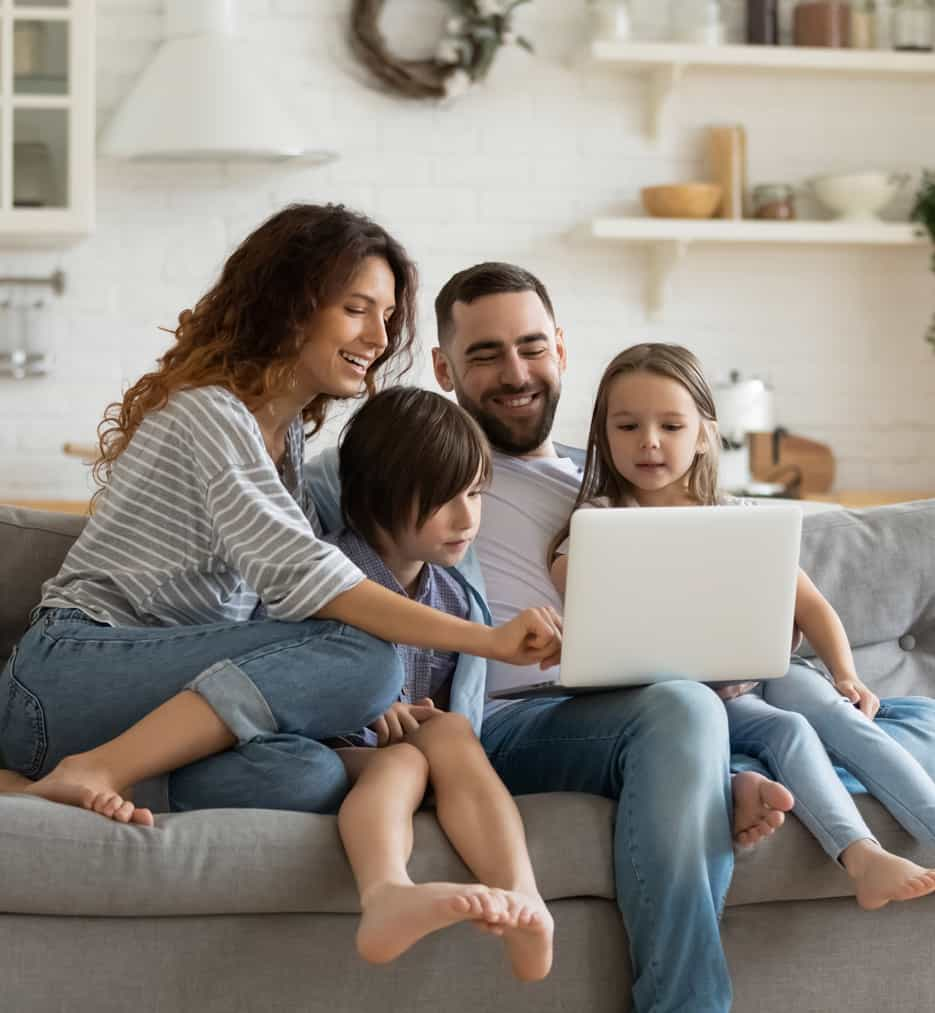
pixel 403 455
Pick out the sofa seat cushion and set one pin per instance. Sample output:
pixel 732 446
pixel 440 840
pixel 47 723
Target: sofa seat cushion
pixel 58 860
pixel 791 866
pixel 63 861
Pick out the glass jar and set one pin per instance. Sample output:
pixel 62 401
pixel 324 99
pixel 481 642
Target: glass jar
pixel 822 23
pixel 863 24
pixel 883 27
pixel 763 22
pixel 913 24
pixel 775 201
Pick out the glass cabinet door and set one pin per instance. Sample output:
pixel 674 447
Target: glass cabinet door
pixel 40 57
pixel 46 122
pixel 40 158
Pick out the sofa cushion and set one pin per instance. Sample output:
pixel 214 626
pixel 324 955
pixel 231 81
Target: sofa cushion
pixel 63 861
pixel 58 860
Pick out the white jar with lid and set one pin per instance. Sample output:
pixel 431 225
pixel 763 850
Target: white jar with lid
pixel 697 21
pixel 611 19
pixel 913 25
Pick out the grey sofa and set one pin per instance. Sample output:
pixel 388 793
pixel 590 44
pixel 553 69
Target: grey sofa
pixel 255 910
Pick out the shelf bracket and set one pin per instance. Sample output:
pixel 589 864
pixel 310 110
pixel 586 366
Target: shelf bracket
pixel 662 83
pixel 664 257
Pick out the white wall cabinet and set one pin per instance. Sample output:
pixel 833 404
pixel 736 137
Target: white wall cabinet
pixel 46 122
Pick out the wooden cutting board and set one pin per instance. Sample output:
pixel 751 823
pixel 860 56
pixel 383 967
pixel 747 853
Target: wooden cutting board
pixel 782 457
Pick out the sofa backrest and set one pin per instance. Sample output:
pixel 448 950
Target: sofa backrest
pixel 33 544
pixel 876 566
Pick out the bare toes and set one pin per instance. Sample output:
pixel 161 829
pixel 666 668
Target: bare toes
pixel 124 812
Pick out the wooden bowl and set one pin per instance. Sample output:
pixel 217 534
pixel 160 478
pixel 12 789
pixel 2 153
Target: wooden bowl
pixel 682 200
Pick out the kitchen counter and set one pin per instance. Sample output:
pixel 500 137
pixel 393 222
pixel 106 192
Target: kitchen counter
pixel 852 498
pixel 59 506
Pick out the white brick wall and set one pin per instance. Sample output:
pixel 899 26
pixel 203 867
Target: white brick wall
pixel 509 173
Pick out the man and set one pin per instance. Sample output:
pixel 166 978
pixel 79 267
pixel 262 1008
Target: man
pixel 662 751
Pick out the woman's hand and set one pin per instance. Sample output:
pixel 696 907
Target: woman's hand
pixel 535 635
pixel 402 719
pixel 854 690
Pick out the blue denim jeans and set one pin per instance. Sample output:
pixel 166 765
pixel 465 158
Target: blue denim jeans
pixel 799 726
pixel 280 687
pixel 662 753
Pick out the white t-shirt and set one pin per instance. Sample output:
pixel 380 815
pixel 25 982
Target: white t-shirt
pixel 527 504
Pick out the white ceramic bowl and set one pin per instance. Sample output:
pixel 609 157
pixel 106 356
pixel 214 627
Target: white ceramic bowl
pixel 857 197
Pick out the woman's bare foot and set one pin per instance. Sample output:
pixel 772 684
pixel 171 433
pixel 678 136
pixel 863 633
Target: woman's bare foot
pixel 527 933
pixel 74 782
pixel 10 782
pixel 397 915
pixel 881 876
pixel 760 807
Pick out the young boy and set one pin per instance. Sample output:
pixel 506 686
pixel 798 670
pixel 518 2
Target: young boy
pixel 412 468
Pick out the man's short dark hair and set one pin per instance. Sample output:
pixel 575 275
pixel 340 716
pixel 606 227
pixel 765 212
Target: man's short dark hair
pixel 490 278
pixel 404 454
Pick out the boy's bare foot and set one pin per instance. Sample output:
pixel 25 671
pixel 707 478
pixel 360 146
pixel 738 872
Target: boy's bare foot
pixel 527 933
pixel 760 807
pixel 397 915
pixel 882 876
pixel 10 782
pixel 73 782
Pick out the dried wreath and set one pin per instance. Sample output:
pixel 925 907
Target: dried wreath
pixel 473 34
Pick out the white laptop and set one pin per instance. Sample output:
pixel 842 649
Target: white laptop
pixel 664 593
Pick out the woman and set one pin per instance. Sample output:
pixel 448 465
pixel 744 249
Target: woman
pixel 198 615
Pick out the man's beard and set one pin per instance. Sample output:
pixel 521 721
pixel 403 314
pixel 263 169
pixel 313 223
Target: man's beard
pixel 499 433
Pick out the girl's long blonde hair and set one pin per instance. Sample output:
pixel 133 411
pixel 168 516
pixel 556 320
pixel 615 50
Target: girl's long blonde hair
pixel 601 478
pixel 245 332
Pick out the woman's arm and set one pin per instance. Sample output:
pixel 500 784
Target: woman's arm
pixel 824 630
pixel 532 636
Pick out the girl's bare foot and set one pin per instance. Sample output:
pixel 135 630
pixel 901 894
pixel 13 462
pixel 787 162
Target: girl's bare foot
pixel 527 933
pixel 397 915
pixel 10 782
pixel 760 807
pixel 881 876
pixel 74 782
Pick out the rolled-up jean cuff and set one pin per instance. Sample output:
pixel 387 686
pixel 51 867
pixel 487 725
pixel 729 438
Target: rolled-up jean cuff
pixel 234 697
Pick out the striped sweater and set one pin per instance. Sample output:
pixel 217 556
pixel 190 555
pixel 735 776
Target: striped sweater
pixel 196 526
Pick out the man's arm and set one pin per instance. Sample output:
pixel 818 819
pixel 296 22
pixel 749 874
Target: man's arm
pixel 323 486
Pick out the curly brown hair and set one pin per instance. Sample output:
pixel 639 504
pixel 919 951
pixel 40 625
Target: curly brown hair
pixel 243 333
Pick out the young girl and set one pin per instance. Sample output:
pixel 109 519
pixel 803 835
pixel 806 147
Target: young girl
pixel 412 467
pixel 204 516
pixel 654 443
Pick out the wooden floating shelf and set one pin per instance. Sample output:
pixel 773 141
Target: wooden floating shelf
pixel 666 63
pixel 756 231
pixel 668 240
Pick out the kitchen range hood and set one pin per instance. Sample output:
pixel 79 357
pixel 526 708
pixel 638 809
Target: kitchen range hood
pixel 201 99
